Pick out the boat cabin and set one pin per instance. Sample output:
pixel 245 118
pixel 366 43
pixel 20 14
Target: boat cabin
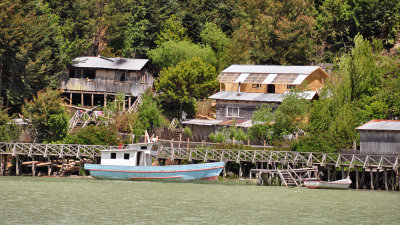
pixel 133 155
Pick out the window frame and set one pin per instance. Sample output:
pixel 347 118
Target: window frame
pixel 113 155
pixel 229 111
pixel 291 86
pixel 256 86
pixel 126 154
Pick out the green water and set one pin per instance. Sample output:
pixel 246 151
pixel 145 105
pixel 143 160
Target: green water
pixel 27 200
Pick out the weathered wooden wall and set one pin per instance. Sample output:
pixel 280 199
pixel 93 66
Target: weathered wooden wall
pixel 105 82
pixel 314 81
pixel 246 109
pixel 379 142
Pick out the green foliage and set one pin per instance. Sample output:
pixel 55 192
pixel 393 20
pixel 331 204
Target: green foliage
pixel 170 53
pixel 187 132
pixel 93 135
pixel 149 113
pixel 291 114
pixel 214 37
pixel 172 31
pixel 186 82
pixel 8 130
pixel 118 104
pixel 228 133
pixel 261 123
pixel 47 115
pixel 273 32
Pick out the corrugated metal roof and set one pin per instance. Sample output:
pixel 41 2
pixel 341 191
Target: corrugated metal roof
pixel 386 125
pixel 258 97
pixel 203 122
pixel 246 96
pixel 270 69
pixel 109 63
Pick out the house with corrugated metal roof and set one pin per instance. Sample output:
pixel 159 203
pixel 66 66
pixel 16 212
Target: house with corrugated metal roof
pixel 244 88
pixel 380 137
pixel 93 80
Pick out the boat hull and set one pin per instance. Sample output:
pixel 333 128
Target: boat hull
pixel 340 184
pixel 209 171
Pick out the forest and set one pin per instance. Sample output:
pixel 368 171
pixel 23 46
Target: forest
pixel 197 39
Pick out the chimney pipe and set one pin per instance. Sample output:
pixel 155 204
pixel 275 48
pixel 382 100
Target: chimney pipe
pixel 239 89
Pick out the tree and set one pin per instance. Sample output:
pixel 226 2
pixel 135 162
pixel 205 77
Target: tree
pixel 261 123
pixel 186 82
pixel 93 135
pixel 172 31
pixel 291 114
pixel 30 56
pixel 8 130
pixel 47 115
pixel 273 32
pixel 171 53
pixel 149 113
pixel 214 37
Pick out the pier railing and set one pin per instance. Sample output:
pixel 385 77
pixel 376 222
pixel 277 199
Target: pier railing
pixel 209 154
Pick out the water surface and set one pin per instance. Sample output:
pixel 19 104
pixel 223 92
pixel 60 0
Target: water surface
pixel 27 200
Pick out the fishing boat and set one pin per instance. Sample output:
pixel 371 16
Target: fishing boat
pixel 135 163
pixel 338 184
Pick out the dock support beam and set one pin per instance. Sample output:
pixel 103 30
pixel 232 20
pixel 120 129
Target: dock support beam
pixel 105 100
pixel 70 98
pixel 92 104
pixel 371 174
pixel 357 179
pixel 82 102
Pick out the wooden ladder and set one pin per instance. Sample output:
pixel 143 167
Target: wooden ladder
pixel 287 178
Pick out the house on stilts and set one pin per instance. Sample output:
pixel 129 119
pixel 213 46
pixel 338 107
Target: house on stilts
pixel 92 81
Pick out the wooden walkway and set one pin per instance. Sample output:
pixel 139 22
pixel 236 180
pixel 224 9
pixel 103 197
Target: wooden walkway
pixel 374 167
pixel 229 155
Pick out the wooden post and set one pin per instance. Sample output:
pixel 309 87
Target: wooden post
pixel 105 100
pixel 124 104
pixel 187 147
pixel 16 165
pixel 50 167
pixel 342 172
pixel 224 174
pixel 202 143
pixel 248 142
pixel 398 179
pixel 264 144
pixel 33 167
pixel 1 165
pixel 363 178
pixel 240 169
pixel 371 174
pixel 82 102
pixel 357 179
pixel 92 103
pixel 329 173
pixel 386 179
pixel 129 101
pixel 70 98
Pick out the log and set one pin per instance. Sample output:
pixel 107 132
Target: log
pixel 30 162
pixel 43 164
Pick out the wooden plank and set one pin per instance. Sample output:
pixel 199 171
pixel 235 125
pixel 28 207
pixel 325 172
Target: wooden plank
pixel 30 162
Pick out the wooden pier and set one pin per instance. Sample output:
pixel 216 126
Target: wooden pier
pixel 367 171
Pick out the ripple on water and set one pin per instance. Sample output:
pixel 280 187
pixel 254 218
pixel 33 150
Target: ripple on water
pixel 82 201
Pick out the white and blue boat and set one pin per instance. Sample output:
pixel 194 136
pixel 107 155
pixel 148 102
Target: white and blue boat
pixel 135 163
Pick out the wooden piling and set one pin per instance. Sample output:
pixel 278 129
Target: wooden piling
pixel 357 178
pixel 33 167
pixel 329 172
pixel 82 102
pixel 386 179
pixel 371 174
pixel 1 165
pixel 92 102
pixel 17 165
pixel 70 98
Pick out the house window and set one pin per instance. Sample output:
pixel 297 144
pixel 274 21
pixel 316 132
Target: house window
pixel 256 86
pixel 89 74
pixel 290 86
pixel 75 74
pixel 126 156
pixel 232 112
pixel 113 155
pixel 121 76
pixel 143 79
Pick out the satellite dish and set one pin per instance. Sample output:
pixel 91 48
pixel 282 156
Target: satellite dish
pixel 135 90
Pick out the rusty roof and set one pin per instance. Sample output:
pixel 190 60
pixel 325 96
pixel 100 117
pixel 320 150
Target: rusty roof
pixel 382 125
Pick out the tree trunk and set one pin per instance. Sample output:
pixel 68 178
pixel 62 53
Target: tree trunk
pixel 180 111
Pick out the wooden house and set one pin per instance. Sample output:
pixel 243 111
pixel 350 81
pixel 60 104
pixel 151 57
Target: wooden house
pixel 380 137
pixel 90 80
pixel 243 88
